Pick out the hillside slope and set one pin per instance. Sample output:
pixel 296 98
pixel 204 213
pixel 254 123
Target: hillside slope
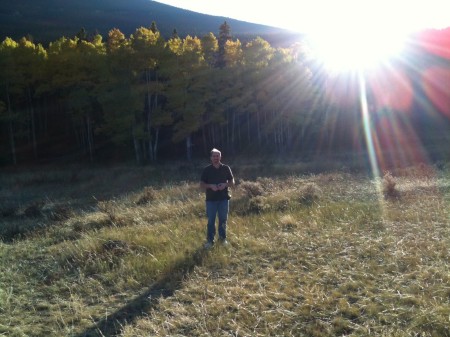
pixel 47 20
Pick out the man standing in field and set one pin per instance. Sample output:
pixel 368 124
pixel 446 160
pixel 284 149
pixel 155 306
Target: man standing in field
pixel 216 180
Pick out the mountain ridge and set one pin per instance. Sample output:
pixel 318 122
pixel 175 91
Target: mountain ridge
pixel 48 20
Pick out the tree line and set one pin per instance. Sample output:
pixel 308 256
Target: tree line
pixel 145 96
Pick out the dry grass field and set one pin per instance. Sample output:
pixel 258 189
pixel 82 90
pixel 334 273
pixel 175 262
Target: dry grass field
pixel 118 252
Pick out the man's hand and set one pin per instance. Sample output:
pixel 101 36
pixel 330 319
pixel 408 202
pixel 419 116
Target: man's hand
pixel 214 187
pixel 221 186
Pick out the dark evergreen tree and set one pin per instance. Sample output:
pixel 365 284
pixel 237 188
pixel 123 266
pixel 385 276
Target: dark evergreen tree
pixel 224 36
pixel 82 35
pixel 153 27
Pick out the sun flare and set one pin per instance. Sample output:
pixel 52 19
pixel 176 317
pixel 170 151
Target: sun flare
pixel 355 48
pixel 361 34
pixel 356 43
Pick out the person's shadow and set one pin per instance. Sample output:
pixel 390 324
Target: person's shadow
pixel 141 305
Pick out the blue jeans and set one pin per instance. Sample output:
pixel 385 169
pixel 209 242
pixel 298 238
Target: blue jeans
pixel 214 208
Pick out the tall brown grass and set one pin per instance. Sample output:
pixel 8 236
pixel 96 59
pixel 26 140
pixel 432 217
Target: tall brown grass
pixel 330 254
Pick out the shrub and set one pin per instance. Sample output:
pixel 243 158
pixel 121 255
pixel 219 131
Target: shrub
pixel 309 193
pixel 268 184
pixel 147 196
pixel 282 203
pixel 252 189
pixel 258 204
pixel 389 183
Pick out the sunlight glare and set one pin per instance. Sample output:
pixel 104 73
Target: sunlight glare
pixel 357 37
pixel 351 47
pixel 357 49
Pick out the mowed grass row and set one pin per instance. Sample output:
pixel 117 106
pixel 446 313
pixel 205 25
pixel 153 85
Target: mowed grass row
pixel 334 254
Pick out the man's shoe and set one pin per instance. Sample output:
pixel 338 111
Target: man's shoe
pixel 208 245
pixel 224 242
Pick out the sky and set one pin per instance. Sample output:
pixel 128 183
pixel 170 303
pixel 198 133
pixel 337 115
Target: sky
pixel 308 16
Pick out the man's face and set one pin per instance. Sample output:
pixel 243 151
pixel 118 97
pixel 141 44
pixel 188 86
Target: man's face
pixel 215 158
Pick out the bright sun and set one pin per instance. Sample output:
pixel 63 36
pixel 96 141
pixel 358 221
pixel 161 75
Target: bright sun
pixel 359 37
pixel 355 48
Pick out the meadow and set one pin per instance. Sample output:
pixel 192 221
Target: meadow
pixel 117 251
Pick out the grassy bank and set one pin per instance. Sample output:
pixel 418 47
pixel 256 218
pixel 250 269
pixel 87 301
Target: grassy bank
pixel 105 252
